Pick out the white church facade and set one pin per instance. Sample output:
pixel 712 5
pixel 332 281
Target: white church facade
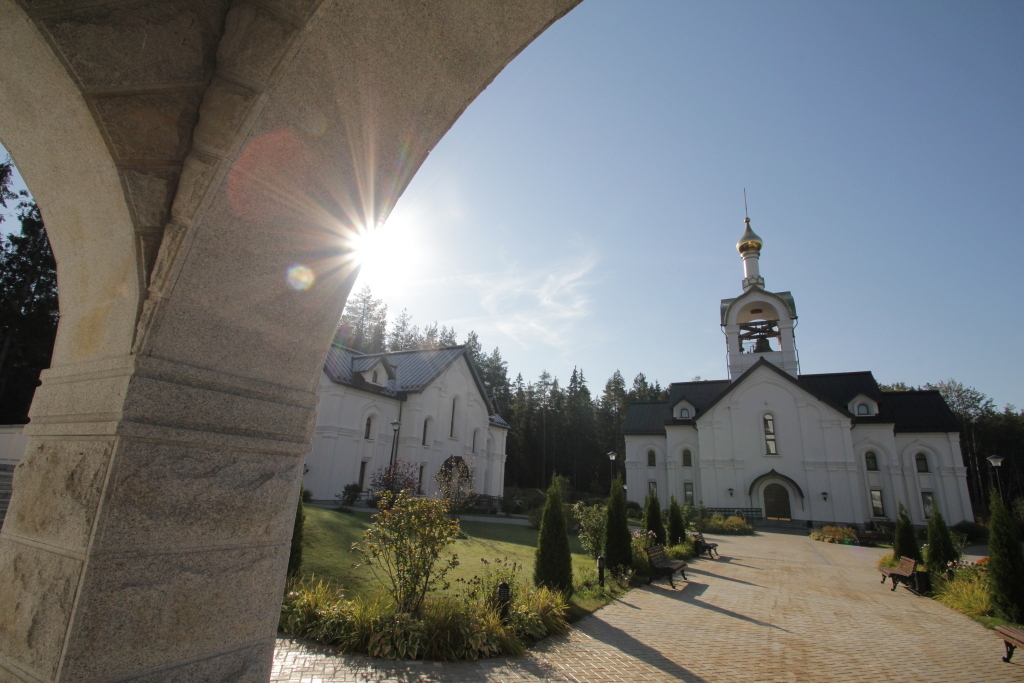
pixel 825 448
pixel 438 401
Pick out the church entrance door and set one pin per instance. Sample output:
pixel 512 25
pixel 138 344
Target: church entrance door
pixel 776 502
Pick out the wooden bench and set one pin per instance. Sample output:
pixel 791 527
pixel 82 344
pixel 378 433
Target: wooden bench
pixel 1012 638
pixel 904 572
pixel 701 546
pixel 661 564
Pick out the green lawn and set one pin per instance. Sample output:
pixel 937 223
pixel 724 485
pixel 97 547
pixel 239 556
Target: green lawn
pixel 328 537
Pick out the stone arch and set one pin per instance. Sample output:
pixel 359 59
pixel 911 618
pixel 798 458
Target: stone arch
pixel 198 206
pixel 756 488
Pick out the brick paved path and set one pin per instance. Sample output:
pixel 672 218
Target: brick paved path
pixel 776 607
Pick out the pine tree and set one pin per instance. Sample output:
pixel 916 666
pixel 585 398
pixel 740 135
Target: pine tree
pixel 295 553
pixel 652 518
pixel 940 544
pixel 618 551
pixel 553 563
pixel 676 525
pixel 1005 564
pixel 904 543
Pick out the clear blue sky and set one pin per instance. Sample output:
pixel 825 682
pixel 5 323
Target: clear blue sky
pixel 584 210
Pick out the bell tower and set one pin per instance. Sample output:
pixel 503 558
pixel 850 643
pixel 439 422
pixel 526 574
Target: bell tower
pixel 758 323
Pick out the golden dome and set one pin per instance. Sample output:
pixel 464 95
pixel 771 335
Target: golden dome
pixel 750 241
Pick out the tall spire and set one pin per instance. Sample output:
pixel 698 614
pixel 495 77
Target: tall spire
pixel 749 248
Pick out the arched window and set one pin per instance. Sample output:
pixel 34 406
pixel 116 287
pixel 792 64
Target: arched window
pixel 651 458
pixel 871 461
pixel 922 462
pixel 862 409
pixel 473 446
pixel 374 380
pixel 369 428
pixel 771 448
pixel 455 404
pixel 684 413
pixel 687 458
pixel 426 430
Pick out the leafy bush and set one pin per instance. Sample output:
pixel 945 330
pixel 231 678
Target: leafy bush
pixel 940 545
pixel 617 553
pixel 455 483
pixel 835 534
pixel 681 551
pixel 553 564
pixel 592 522
pixel 676 523
pixel 652 518
pixel 349 495
pixel 904 542
pixel 448 629
pixel 404 544
pixel 1005 565
pixel 640 541
pixel 533 517
pixel 888 560
pixel 719 524
pixel 976 533
pixel 634 510
pixel 307 495
pixel 394 478
pixel 968 592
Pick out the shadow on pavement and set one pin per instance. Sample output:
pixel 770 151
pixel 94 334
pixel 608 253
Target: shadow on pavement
pixel 622 641
pixel 694 590
pixel 694 570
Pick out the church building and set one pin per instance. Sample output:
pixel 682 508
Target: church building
pixel 420 406
pixel 778 444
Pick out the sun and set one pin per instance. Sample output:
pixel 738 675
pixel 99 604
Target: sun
pixel 387 255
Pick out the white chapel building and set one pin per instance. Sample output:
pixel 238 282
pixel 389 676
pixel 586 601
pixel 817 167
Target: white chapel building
pixel 782 445
pixel 439 401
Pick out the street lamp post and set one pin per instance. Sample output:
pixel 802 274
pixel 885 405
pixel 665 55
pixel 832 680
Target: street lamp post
pixel 996 461
pixel 394 442
pixel 611 468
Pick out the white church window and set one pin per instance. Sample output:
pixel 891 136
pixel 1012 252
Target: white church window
pixel 652 486
pixel 928 503
pixel 374 380
pixel 455 405
pixel 368 434
pixel 877 509
pixel 651 458
pixel 688 493
pixel 426 430
pixel 684 413
pixel 362 474
pixel 687 458
pixel 871 462
pixel 922 462
pixel 475 432
pixel 771 448
pixel 419 487
pixel 862 409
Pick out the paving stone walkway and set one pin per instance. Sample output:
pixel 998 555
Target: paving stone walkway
pixel 775 607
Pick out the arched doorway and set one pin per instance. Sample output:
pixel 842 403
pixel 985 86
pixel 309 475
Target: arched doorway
pixel 776 502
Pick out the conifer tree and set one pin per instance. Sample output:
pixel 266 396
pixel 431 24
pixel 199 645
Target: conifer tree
pixel 1005 564
pixel 617 549
pixel 940 544
pixel 652 518
pixel 676 525
pixel 553 564
pixel 904 543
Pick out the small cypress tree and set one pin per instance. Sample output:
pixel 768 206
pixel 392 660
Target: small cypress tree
pixel 553 564
pixel 904 543
pixel 618 551
pixel 652 518
pixel 295 553
pixel 940 544
pixel 1005 564
pixel 676 524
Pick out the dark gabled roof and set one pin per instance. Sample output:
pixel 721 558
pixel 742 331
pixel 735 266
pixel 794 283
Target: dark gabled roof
pixel 647 417
pixel 497 421
pixel 842 387
pixel 698 394
pixel 409 371
pixel 916 411
pixel 763 362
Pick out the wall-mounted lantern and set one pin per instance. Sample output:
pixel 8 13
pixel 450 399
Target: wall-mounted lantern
pixel 824 495
pixel 730 493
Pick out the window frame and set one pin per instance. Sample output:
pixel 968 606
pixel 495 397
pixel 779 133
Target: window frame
pixel 652 457
pixel 455 405
pixel 863 409
pixel 368 432
pixel 871 458
pixel 922 458
pixel 684 413
pixel 879 509
pixel 688 493
pixel 771 444
pixel 652 486
pixel 687 457
pixel 928 504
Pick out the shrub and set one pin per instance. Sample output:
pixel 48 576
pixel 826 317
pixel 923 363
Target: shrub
pixel 640 541
pixel 688 515
pixel 976 533
pixel 1005 564
pixel 533 517
pixel 553 564
pixel 295 552
pixel 652 518
pixel 968 592
pixel 676 524
pixel 617 552
pixel 455 484
pixel 393 479
pixel 634 510
pixel 940 545
pixel 404 544
pixel 719 524
pixel 683 550
pixel 592 522
pixel 349 495
pixel 835 534
pixel 888 560
pixel 307 495
pixel 904 542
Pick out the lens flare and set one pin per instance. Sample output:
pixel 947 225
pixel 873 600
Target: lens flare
pixel 300 278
